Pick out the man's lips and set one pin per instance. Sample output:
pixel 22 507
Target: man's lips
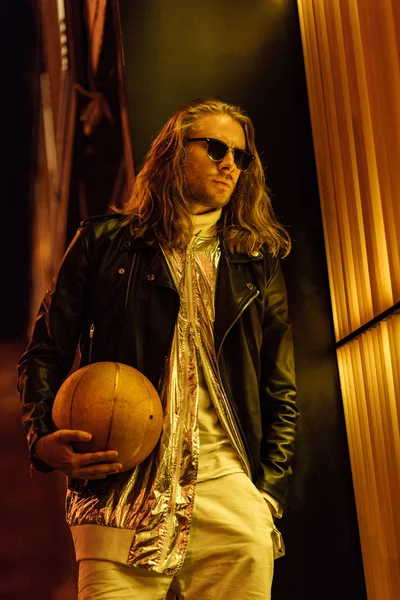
pixel 224 183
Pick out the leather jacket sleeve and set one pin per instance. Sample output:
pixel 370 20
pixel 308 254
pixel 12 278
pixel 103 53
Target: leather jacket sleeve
pixel 277 392
pixel 51 351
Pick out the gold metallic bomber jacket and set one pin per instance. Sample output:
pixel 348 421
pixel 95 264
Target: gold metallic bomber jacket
pixel 124 286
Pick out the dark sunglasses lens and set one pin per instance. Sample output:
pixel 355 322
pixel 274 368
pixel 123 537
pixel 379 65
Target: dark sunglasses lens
pixel 216 149
pixel 242 159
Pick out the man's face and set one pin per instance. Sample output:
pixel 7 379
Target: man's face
pixel 211 184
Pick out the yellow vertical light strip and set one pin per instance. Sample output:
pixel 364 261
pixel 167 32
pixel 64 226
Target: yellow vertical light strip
pixel 373 214
pixel 391 350
pixel 352 61
pixel 357 428
pixel 323 159
pixel 334 90
pixel 390 433
pixel 371 406
pixel 350 204
pixel 383 80
pixel 353 206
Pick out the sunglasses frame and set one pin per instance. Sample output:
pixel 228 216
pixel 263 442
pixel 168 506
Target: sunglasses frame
pixel 234 150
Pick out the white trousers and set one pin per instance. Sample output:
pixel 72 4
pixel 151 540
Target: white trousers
pixel 229 554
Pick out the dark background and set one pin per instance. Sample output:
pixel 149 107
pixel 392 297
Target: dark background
pixel 17 40
pixel 249 53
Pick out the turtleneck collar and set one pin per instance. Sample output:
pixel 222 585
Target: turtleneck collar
pixel 205 225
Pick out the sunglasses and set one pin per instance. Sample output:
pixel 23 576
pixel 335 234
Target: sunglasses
pixel 216 150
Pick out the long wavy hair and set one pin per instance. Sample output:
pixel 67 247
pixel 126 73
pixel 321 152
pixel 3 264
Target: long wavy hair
pixel 159 201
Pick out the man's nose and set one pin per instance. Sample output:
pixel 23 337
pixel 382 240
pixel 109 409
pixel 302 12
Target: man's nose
pixel 228 162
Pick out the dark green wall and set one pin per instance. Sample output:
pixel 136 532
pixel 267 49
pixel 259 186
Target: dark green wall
pixel 249 53
pixel 18 35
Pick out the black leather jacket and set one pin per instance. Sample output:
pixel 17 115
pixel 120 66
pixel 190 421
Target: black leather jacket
pixel 122 288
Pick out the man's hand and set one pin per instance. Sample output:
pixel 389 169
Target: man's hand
pixel 56 451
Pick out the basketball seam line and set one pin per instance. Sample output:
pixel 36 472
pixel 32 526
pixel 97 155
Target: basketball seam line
pixel 116 381
pixel 73 396
pixel 140 449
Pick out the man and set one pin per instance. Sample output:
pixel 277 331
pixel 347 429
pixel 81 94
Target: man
pixel 185 285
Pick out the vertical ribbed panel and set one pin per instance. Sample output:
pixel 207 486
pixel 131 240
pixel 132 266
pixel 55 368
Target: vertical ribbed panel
pixel 352 62
pixel 370 376
pixel 351 51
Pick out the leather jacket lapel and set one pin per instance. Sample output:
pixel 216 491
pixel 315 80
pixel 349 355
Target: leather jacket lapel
pixel 158 272
pixel 234 291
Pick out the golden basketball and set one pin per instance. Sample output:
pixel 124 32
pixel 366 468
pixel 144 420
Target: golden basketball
pixel 117 404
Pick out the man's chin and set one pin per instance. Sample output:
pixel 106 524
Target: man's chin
pixel 199 209
pixel 209 205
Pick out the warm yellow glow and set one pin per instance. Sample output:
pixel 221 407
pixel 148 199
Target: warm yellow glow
pixel 370 378
pixel 353 78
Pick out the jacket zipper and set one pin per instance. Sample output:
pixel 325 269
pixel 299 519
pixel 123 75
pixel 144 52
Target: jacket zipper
pixel 91 334
pixel 225 415
pixel 223 412
pixel 250 300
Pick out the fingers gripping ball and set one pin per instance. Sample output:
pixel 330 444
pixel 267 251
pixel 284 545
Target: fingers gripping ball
pixel 116 404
